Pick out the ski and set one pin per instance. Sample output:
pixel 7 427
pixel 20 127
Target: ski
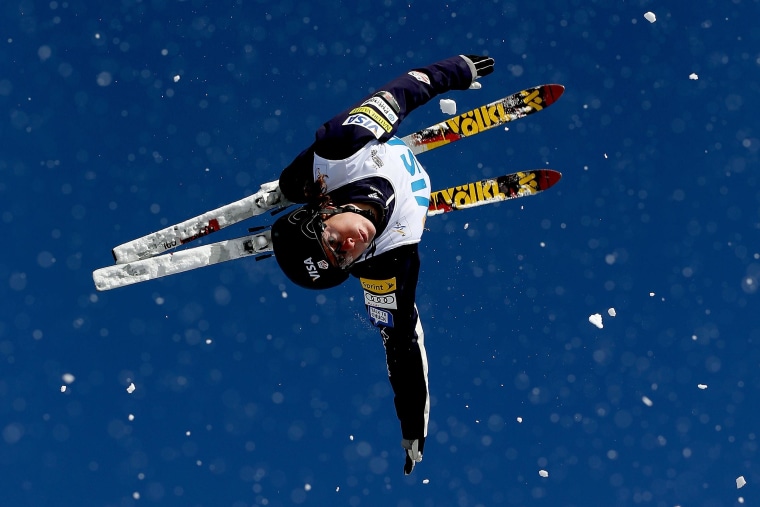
pixel 507 109
pixel 477 193
pixel 269 198
pixel 120 275
pixel 492 190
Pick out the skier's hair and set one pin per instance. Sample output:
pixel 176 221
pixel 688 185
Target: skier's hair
pixel 317 192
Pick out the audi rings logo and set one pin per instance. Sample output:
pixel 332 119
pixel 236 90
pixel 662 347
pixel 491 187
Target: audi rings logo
pixel 382 301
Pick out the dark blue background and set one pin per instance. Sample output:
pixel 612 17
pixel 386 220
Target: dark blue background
pixel 250 391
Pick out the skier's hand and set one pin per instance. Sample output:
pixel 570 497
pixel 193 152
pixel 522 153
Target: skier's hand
pixel 480 66
pixel 412 454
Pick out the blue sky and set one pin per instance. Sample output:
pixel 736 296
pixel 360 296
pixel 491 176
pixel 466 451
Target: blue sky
pixel 124 118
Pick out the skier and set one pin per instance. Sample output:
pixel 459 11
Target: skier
pixel 366 198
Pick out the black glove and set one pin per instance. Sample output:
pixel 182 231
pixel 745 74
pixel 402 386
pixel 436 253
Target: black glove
pixel 483 65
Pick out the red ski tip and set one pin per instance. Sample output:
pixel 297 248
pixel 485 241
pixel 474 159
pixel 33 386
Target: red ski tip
pixel 553 177
pixel 552 92
pixel 547 178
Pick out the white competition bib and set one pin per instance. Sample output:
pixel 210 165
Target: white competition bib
pixel 395 162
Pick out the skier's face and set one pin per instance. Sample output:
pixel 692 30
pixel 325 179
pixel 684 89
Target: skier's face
pixel 345 237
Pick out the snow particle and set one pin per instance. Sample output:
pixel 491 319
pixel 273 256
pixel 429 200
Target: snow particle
pixel 104 79
pixel 425 481
pixel 176 78
pixel 131 388
pixel 702 386
pixel 649 16
pixel 44 53
pixel 646 401
pixel 740 482
pixel 448 106
pixel 543 473
pixel 519 420
pixel 307 487
pixel 131 417
pixel 17 281
pixel 596 320
pixel 63 389
pixel 68 378
pixel 611 312
pixel 693 76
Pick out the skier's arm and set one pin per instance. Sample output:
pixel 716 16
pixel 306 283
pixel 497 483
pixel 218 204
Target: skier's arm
pixel 378 116
pixel 389 282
